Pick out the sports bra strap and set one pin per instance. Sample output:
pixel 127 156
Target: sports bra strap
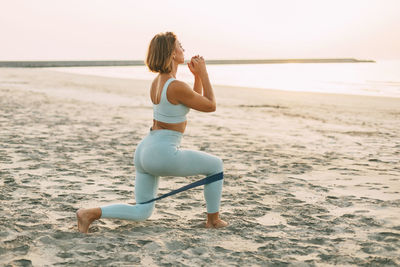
pixel 164 90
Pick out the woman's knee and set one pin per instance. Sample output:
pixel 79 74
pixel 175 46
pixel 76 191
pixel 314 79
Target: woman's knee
pixel 218 165
pixel 145 211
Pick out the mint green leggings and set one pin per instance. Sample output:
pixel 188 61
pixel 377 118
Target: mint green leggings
pixel 158 154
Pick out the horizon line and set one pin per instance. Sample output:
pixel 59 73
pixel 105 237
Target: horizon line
pixel 98 63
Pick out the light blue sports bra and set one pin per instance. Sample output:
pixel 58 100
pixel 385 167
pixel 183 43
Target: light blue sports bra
pixel 167 112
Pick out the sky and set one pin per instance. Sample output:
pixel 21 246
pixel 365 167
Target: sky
pixel 216 29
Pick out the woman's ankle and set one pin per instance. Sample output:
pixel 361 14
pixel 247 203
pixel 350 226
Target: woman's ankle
pixel 213 217
pixel 91 214
pixel 214 221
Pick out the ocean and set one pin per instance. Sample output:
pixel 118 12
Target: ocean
pixel 375 79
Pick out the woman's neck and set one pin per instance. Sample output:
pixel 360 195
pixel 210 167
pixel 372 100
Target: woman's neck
pixel 174 69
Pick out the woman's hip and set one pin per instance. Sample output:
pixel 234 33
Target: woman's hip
pixel 157 146
pixel 172 161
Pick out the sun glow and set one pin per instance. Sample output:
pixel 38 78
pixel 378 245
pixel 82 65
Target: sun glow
pixel 79 30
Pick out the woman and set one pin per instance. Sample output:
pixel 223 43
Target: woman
pixel 158 154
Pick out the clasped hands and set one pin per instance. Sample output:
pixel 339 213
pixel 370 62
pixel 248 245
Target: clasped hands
pixel 197 65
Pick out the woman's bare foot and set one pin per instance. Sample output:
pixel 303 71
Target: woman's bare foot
pixel 213 221
pixel 85 217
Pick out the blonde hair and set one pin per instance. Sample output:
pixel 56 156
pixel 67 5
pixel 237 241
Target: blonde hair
pixel 159 53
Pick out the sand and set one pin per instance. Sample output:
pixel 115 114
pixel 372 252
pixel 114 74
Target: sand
pixel 310 179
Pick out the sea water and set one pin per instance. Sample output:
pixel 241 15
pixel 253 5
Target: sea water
pixel 375 79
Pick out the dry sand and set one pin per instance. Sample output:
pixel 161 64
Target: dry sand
pixel 310 179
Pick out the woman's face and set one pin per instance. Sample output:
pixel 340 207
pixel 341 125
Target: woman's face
pixel 179 56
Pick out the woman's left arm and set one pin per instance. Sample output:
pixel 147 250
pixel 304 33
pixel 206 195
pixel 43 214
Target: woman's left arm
pixel 198 86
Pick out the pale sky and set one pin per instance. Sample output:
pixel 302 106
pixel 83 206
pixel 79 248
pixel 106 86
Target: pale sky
pixel 216 29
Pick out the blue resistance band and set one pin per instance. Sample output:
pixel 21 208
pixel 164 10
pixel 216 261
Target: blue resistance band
pixel 207 180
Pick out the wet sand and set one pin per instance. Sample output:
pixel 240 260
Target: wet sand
pixel 310 179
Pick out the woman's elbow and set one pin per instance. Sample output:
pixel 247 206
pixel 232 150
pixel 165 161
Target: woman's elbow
pixel 212 107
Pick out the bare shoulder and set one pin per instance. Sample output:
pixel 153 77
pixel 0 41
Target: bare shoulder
pixel 153 85
pixel 155 82
pixel 178 85
pixel 178 89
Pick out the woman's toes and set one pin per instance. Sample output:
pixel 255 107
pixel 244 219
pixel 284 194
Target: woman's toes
pixel 220 224
pixel 217 224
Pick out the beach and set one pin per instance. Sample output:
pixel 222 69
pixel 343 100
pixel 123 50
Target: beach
pixel 311 179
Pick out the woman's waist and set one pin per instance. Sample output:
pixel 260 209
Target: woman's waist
pixel 178 127
pixel 163 137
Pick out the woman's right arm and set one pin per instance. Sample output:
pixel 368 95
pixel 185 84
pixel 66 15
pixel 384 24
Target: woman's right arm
pixel 185 95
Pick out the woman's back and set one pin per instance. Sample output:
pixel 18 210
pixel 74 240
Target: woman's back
pixel 164 110
pixel 168 113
